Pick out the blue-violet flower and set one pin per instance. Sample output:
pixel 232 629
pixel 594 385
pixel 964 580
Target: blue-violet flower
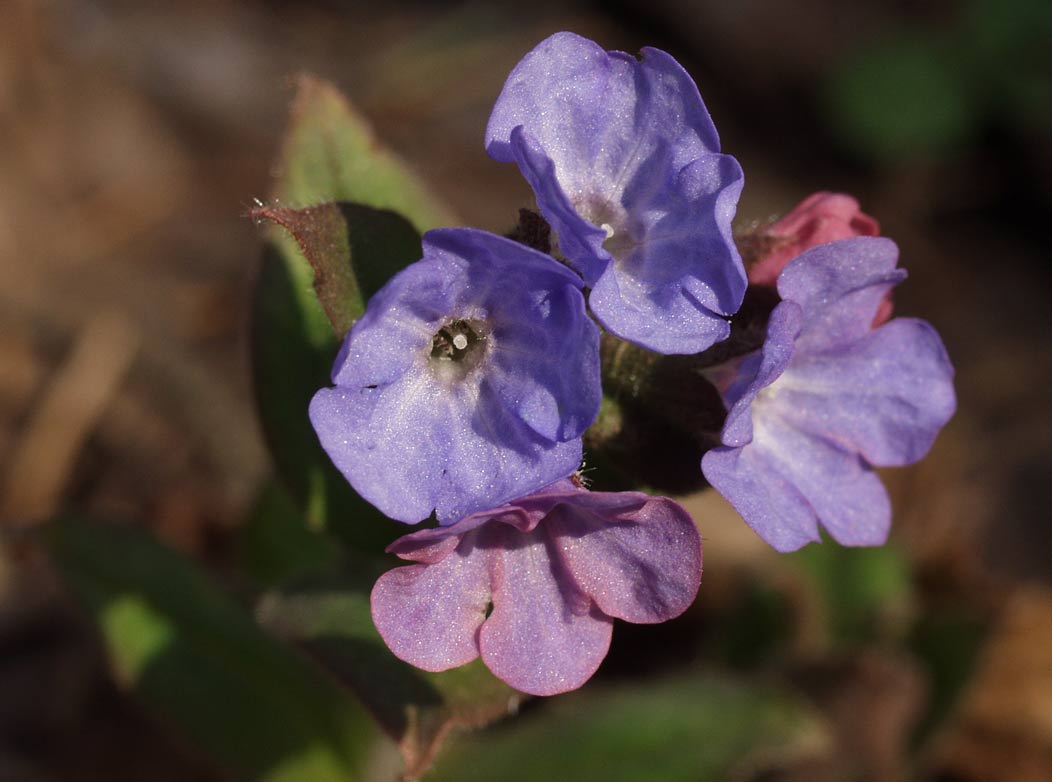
pixel 467 382
pixel 829 397
pixel 533 586
pixel 624 160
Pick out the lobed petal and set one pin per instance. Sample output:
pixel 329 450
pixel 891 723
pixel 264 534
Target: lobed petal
pixel 492 457
pixel 533 585
pixel 544 636
pixel 840 287
pixel 429 614
pixel 785 482
pixel 672 288
pixel 397 327
pixel 827 397
pixel 545 359
pixel 687 230
pixel 637 557
pixel 760 370
pixel 597 114
pixel 579 240
pixel 885 396
pixel 373 437
pixel 750 480
pixel 412 439
pixel 842 489
pixel 544 349
pixel 607 141
pixel 489 258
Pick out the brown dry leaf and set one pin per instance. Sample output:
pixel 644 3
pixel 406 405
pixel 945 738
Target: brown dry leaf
pixel 873 700
pixel 1003 732
pixel 65 417
pixel 328 614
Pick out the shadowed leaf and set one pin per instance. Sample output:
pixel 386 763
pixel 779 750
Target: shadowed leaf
pixel 198 659
pixel 329 155
pixel 352 250
pixel 865 592
pixel 274 544
pixel 293 350
pixel 689 729
pixel 329 616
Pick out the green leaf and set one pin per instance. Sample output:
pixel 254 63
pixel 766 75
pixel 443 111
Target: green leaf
pixel 902 97
pixel 330 617
pixel 693 729
pixel 275 544
pixel 1008 40
pixel 947 642
pixel 196 657
pixel 352 249
pixel 293 351
pixel 865 591
pixel 329 155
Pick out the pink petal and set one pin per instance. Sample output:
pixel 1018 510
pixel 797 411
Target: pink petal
pixel 644 567
pixel 544 637
pixel 429 614
pixel 819 218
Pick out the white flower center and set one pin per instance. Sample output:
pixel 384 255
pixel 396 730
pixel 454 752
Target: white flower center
pixel 611 218
pixel 458 348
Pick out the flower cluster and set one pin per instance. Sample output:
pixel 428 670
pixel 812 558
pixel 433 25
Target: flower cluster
pixel 465 389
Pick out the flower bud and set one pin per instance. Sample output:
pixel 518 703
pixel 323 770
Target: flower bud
pixel 819 218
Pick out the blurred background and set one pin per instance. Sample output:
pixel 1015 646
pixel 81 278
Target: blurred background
pixel 135 135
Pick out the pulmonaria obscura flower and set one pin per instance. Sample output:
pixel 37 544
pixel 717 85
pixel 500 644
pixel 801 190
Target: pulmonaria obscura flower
pixel 624 160
pixel 534 586
pixel 829 397
pixel 467 382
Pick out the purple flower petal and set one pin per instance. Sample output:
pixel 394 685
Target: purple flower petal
pixel 468 381
pixel 751 480
pixel 670 290
pixel 579 240
pixel 826 398
pixel 759 370
pixel 625 163
pixel 840 286
pixel 886 396
pixel 785 482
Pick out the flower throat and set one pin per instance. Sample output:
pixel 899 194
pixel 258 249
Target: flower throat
pixel 458 341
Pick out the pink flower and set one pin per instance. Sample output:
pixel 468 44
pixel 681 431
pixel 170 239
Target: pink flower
pixel 534 586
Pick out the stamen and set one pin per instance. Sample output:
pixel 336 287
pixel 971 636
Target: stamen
pixel 459 341
pixel 608 228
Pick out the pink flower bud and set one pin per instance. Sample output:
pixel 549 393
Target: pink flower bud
pixel 819 218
